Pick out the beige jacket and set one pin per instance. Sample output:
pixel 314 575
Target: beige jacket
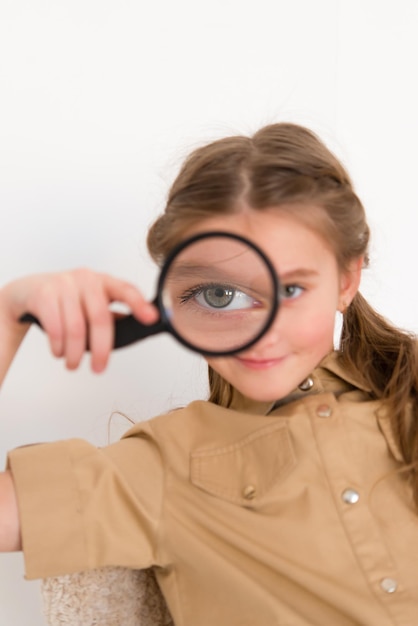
pixel 292 515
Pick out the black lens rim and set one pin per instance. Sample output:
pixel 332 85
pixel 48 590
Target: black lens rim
pixel 167 265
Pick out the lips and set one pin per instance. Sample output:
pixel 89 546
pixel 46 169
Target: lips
pixel 260 364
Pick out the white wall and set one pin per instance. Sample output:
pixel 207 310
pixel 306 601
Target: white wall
pixel 100 100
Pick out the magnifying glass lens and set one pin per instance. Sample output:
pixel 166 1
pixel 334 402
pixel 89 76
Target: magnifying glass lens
pixel 218 294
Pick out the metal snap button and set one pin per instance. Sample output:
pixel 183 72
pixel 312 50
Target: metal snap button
pixel 249 492
pixel 389 585
pixel 324 410
pixel 306 384
pixel 350 496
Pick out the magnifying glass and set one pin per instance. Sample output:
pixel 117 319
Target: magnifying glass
pixel 217 294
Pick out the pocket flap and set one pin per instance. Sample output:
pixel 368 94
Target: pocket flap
pixel 244 471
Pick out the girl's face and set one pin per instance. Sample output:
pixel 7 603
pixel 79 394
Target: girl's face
pixel 312 290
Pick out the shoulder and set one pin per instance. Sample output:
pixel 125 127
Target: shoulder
pixel 189 421
pixel 201 423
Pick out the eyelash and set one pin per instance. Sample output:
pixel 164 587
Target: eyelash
pixel 191 293
pixel 237 301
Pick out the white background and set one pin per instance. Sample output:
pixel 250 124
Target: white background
pixel 100 100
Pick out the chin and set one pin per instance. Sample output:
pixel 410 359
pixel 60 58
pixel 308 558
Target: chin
pixel 264 396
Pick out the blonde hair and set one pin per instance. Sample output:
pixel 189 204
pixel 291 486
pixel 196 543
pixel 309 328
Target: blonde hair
pixel 288 167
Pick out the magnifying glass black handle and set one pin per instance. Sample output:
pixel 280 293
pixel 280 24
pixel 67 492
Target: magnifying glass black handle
pixel 127 329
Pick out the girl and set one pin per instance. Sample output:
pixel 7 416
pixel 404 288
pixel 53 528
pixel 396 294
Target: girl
pixel 290 496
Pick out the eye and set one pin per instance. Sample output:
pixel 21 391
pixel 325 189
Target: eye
pixel 290 292
pixel 219 296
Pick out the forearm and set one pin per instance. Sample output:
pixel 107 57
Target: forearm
pixel 11 336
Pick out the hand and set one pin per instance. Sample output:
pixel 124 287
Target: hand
pixel 73 309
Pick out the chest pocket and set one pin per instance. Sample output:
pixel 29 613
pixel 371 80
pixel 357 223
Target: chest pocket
pixel 243 472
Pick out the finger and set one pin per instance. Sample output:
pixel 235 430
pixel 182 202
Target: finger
pixel 47 309
pixel 128 294
pixel 100 325
pixel 75 328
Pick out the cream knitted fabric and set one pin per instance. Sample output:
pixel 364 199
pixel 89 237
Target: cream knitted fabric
pixel 112 596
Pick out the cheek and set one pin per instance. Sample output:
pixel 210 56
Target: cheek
pixel 313 330
pixel 218 365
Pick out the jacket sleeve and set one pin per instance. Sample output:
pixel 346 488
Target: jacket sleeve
pixel 83 508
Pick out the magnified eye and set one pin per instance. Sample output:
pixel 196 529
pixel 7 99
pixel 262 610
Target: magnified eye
pixel 219 296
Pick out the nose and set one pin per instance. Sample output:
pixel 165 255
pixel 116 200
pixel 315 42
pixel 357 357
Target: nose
pixel 271 336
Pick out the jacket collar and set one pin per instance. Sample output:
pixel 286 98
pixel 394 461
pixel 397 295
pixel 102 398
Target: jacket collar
pixel 329 376
pixel 332 377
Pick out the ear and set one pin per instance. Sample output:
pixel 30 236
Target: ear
pixel 349 283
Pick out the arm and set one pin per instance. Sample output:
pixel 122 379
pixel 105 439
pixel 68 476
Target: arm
pixel 11 336
pixel 72 307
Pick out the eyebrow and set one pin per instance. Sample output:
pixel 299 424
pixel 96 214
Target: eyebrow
pixel 189 270
pixel 298 273
pixel 186 270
